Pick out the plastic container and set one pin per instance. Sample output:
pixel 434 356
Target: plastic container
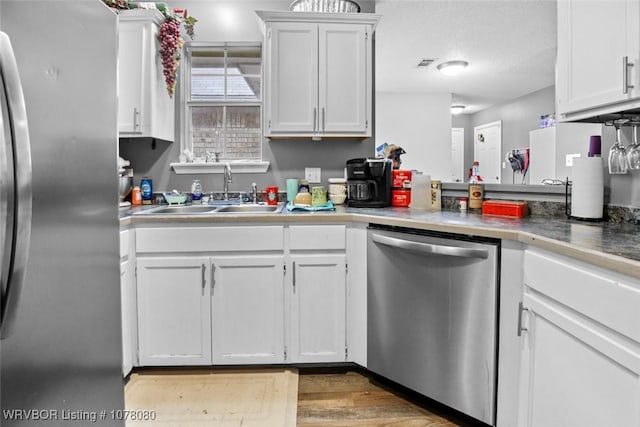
pixel 505 208
pixel 421 192
pixel 146 188
pixel 196 190
pixel 463 204
pixel 401 198
pixel 136 196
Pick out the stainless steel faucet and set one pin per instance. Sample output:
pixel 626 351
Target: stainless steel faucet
pixel 227 180
pixel 254 193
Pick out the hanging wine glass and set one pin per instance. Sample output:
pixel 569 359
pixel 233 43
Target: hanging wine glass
pixel 633 151
pixel 617 155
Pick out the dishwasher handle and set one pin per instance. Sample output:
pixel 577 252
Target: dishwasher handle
pixel 430 248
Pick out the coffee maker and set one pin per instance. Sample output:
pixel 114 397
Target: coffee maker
pixel 369 182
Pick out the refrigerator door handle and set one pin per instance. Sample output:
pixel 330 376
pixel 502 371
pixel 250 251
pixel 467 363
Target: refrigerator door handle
pixel 19 131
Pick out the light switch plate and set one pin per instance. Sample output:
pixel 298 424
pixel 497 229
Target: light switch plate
pixel 570 158
pixel 313 175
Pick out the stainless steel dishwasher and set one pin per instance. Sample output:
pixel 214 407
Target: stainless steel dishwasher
pixel 432 307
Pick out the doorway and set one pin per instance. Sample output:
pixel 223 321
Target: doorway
pixel 487 146
pixel 457 155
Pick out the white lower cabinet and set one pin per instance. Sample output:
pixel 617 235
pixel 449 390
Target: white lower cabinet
pixel 247 309
pixel 128 303
pixel 222 295
pixel 174 311
pixel 125 283
pixel 210 295
pixel 318 308
pixel 580 362
pixel 317 294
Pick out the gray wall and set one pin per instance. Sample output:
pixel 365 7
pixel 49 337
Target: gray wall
pixel 518 118
pixel 237 21
pixel 522 115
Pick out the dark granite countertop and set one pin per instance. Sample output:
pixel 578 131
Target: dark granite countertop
pixel 615 246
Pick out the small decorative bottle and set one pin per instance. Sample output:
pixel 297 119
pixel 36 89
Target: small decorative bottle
pixel 476 188
pixel 436 194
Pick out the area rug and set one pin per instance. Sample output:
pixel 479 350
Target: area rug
pixel 216 398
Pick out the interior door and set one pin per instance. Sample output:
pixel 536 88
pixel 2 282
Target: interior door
pixel 457 155
pixel 487 145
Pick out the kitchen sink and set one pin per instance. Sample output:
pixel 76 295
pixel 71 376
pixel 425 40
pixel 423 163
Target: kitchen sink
pixel 209 209
pixel 182 210
pixel 249 208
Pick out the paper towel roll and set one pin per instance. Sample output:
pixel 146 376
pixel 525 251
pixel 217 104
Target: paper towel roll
pixel 587 191
pixel 420 192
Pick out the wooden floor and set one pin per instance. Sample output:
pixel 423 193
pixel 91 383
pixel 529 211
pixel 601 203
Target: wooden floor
pixel 345 397
pixel 353 399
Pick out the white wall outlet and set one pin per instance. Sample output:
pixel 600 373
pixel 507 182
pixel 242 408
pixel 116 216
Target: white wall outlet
pixel 570 158
pixel 313 175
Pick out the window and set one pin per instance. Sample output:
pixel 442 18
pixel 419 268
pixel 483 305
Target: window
pixel 223 101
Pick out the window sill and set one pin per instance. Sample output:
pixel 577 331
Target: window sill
pixel 249 166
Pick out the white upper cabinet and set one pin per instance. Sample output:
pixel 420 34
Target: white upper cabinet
pixel 598 58
pixel 145 108
pixel 318 74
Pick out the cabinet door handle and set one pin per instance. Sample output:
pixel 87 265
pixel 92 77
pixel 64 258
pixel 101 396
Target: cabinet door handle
pixel 315 119
pixel 213 276
pixel 204 279
pixel 625 74
pixel 136 119
pixel 322 119
pixel 293 268
pixel 521 308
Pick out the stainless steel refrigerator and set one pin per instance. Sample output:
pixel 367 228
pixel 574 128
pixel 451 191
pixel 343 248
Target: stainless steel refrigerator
pixel 61 347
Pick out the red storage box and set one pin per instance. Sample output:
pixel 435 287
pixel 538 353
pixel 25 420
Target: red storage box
pixel 401 198
pixel 399 178
pixel 505 208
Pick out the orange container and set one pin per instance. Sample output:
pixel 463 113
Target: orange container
pixel 401 198
pixel 136 196
pixel 400 176
pixel 505 208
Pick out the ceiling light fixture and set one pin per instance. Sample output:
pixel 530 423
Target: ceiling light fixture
pixel 451 68
pixel 457 109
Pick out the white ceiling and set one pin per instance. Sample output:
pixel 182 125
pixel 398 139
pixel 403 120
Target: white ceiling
pixel 510 46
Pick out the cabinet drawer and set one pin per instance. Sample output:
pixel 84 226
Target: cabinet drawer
pixel 607 298
pixel 317 237
pixel 124 243
pixel 210 239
